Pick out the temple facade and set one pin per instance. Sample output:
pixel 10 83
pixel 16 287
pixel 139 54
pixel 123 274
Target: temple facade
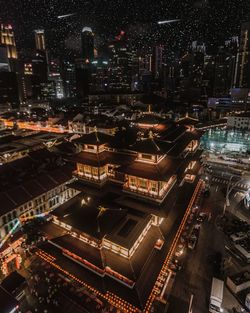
pixel 147 169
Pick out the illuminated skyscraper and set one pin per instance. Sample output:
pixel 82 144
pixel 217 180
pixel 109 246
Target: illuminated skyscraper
pixel 87 44
pixel 7 39
pixel 31 88
pixel 55 76
pixel 40 40
pixel 99 76
pixel 121 64
pixel 69 79
pixel 242 72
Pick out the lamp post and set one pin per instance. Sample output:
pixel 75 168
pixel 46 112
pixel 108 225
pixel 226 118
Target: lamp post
pixel 190 308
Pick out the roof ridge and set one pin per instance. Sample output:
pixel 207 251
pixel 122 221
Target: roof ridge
pixel 159 171
pixel 37 181
pixel 155 144
pixel 96 134
pixel 10 198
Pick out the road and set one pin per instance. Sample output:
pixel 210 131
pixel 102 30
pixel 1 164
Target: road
pixel 196 276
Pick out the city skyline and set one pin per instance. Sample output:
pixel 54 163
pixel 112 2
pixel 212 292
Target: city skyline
pixel 205 21
pixel 125 156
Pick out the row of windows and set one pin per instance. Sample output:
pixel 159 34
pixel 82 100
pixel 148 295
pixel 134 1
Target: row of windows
pixel 27 206
pixel 9 217
pixel 143 183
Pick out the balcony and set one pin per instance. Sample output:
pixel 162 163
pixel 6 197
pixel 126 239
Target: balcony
pixel 99 180
pixel 149 194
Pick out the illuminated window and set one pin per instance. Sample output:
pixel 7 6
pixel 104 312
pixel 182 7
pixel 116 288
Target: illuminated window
pixel 154 186
pixel 143 183
pixel 95 171
pixel 102 171
pixel 146 156
pixel 132 181
pixel 87 169
pixel 90 147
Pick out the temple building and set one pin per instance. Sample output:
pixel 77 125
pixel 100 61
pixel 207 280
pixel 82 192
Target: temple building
pixel 147 169
pixel 113 214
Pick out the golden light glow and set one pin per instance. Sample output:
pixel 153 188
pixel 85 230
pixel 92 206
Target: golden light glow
pixel 161 279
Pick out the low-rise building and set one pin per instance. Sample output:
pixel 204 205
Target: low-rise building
pixel 240 121
pixel 32 186
pixel 8 302
pixel 15 284
pixel 35 197
pixel 237 283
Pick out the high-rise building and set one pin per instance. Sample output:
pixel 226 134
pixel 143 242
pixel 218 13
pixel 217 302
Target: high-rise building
pixel 48 90
pixel 224 67
pixel 55 76
pixel 158 60
pixel 4 62
pixel 40 66
pixel 145 63
pixel 208 76
pixel 69 79
pixel 31 88
pixel 28 69
pixel 83 78
pixel 7 39
pixel 99 76
pixel 242 72
pixel 9 90
pixel 83 65
pixel 40 59
pixel 40 39
pixel 121 65
pixel 87 38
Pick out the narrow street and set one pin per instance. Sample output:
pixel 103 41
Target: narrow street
pixel 196 276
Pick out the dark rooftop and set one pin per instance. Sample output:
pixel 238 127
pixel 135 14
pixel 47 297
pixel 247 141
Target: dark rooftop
pixel 151 119
pixel 240 278
pixel 103 158
pixel 7 302
pixel 26 190
pixel 117 223
pixel 187 120
pixel 161 171
pixel 173 133
pixel 128 231
pixel 92 159
pixel 80 248
pixel 13 282
pixel 84 217
pixel 94 138
pixel 151 146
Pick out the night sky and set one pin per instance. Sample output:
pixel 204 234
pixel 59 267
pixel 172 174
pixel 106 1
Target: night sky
pixel 211 21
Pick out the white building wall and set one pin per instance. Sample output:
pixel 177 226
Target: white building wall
pixel 44 203
pixel 239 122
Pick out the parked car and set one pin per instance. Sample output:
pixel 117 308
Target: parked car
pixel 192 242
pixel 179 250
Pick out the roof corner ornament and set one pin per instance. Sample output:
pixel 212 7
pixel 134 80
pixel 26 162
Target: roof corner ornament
pixel 150 135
